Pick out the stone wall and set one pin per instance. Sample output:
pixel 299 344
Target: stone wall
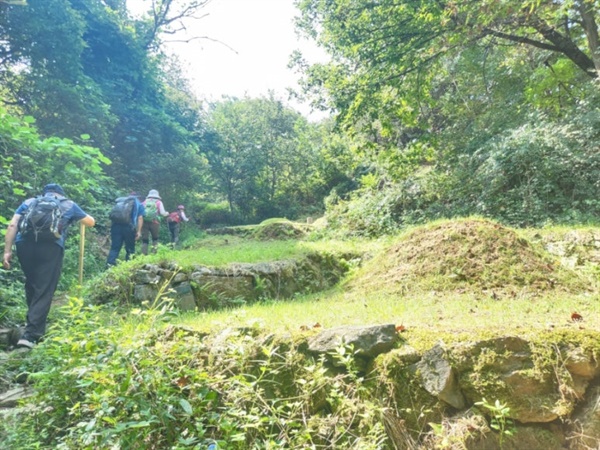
pixel 205 287
pixel 552 393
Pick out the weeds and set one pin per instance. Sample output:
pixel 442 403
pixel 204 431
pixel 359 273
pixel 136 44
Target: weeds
pixel 500 418
pixel 167 388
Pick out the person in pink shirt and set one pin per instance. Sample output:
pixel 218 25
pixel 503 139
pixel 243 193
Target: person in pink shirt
pixel 174 220
pixel 154 210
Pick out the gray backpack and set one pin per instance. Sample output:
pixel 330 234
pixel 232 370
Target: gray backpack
pixel 122 210
pixel 43 220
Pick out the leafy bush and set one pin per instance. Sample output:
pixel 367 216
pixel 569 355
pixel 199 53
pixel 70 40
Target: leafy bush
pixel 367 213
pixel 154 387
pixel 539 172
pixel 214 214
pixel 379 211
pixel 78 168
pixel 12 300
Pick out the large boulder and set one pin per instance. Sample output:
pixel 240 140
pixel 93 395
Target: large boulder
pixel 504 369
pixel 366 341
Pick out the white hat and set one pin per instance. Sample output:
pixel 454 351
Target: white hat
pixel 153 194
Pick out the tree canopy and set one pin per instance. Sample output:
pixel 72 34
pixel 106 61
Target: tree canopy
pixel 443 108
pixel 429 88
pixel 87 67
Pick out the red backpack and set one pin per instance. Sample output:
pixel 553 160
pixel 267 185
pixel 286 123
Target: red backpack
pixel 174 217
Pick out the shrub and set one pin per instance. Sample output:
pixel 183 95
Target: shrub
pixel 213 214
pixel 156 387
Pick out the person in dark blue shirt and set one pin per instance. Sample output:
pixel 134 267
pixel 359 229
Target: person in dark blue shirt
pixel 41 260
pixel 126 233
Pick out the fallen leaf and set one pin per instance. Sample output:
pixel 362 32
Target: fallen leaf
pixel 575 317
pixel 182 382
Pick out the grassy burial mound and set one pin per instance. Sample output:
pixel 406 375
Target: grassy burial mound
pixel 473 255
pixel 279 229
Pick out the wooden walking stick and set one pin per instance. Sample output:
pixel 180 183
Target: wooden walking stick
pixel 81 251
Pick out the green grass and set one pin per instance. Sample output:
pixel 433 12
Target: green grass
pixel 451 310
pixel 222 250
pixel 426 318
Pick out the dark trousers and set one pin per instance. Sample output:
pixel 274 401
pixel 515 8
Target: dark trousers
pixel 120 233
pixel 150 229
pixel 174 230
pixel 42 264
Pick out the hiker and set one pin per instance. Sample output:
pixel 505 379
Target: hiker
pixel 174 220
pixel 40 233
pixel 127 218
pixel 154 210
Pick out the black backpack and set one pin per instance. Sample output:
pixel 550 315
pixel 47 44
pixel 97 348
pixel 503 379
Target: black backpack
pixel 122 210
pixel 43 219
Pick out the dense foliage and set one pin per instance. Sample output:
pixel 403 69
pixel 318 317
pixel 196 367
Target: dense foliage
pixel 84 67
pixel 443 109
pixel 267 159
pixel 87 67
pixel 78 167
pixel 163 388
pixel 462 107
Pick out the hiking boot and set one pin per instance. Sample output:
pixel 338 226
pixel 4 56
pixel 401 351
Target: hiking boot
pixel 25 343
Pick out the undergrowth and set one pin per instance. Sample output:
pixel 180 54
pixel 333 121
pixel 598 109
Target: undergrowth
pixel 166 388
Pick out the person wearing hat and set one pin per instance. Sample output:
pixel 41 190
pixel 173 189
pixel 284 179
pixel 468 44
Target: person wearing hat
pixel 154 211
pixel 174 220
pixel 41 259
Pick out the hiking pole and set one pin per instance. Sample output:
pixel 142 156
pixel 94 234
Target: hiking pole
pixel 81 251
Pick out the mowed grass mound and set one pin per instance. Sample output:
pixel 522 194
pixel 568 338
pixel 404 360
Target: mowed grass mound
pixel 467 255
pixel 274 229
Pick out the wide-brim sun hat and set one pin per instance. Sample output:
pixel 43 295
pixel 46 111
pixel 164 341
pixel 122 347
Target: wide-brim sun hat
pixel 153 194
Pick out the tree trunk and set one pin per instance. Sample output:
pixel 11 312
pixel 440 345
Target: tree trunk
pixel 565 46
pixel 591 31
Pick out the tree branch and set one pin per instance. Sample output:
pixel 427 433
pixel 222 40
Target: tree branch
pixel 520 39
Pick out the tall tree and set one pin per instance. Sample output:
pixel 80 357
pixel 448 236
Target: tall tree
pixel 437 91
pixel 41 69
pixel 85 66
pixel 262 155
pixel 380 45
